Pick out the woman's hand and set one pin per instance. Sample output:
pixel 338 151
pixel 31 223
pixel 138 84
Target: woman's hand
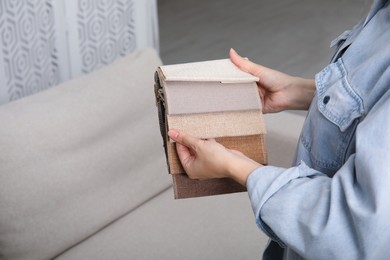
pixel 278 91
pixel 205 159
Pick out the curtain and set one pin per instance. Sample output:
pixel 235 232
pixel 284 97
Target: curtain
pixel 43 43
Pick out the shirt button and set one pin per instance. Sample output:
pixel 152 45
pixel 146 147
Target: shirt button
pixel 326 99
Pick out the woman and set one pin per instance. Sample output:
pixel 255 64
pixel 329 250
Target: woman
pixel 334 201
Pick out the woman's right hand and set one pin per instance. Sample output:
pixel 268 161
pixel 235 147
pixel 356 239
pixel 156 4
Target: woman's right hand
pixel 278 91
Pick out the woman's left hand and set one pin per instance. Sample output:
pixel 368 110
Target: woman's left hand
pixel 205 159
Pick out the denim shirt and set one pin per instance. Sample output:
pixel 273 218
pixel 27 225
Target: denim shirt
pixel 334 203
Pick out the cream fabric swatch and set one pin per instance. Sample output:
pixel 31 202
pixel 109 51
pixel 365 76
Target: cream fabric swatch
pixel 184 97
pixel 213 125
pixel 216 70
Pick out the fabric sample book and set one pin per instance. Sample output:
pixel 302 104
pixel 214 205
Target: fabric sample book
pixel 209 99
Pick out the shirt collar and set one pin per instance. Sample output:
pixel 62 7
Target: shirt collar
pixel 376 6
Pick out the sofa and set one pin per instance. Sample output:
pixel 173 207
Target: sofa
pixel 83 176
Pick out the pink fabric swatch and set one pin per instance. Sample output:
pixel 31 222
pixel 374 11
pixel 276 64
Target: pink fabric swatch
pixel 205 97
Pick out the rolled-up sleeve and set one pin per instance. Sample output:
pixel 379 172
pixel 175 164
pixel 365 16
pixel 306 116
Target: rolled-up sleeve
pixel 345 217
pixel 266 181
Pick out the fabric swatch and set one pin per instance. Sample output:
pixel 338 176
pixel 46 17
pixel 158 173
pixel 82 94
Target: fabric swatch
pixel 213 125
pixel 184 97
pixel 216 70
pixel 188 188
pixel 212 99
pixel 252 146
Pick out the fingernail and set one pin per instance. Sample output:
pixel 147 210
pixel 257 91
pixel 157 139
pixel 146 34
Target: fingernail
pixel 233 50
pixel 173 133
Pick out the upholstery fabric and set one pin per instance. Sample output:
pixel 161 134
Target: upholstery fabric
pixel 253 146
pixel 187 188
pixel 213 125
pixel 180 225
pixel 195 97
pixel 70 163
pixel 185 97
pixel 207 71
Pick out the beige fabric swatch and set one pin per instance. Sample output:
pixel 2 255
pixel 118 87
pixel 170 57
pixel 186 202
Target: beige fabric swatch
pixel 216 70
pixel 204 97
pixel 212 125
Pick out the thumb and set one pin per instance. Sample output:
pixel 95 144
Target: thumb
pixel 185 156
pixel 244 64
pixel 184 139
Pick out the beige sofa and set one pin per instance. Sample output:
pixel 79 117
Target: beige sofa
pixel 83 176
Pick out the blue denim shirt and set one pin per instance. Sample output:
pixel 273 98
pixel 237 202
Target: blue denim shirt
pixel 335 202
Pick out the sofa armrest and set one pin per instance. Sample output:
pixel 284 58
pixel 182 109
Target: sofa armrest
pixel 78 156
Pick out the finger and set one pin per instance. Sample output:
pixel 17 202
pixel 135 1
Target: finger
pixel 244 64
pixel 237 152
pixel 212 140
pixel 184 139
pixel 185 155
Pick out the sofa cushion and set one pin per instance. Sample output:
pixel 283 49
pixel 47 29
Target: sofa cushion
pixel 217 227
pixel 77 157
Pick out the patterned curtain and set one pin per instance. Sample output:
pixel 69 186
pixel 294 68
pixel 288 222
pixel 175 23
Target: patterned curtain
pixel 45 42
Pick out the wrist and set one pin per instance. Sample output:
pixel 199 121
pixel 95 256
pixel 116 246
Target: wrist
pixel 240 171
pixel 301 93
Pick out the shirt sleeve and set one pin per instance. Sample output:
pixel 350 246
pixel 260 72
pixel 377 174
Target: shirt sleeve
pixel 344 217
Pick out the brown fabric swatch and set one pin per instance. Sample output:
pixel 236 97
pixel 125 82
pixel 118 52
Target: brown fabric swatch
pixel 185 188
pixel 252 146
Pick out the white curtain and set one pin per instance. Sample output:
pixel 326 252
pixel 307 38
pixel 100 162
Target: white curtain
pixel 43 43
